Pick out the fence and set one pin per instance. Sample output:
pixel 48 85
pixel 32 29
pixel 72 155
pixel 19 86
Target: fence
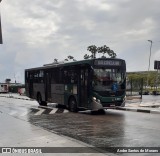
pixel 134 87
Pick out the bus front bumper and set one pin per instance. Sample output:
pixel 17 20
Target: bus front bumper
pixel 97 105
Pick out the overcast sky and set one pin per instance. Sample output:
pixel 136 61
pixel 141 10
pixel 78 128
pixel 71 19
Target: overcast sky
pixel 37 31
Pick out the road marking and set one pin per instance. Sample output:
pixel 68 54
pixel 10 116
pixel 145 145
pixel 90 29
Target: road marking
pixel 40 112
pixel 53 111
pixel 25 113
pixel 155 111
pixel 65 111
pixel 12 112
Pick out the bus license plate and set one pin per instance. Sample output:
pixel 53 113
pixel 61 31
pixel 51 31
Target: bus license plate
pixel 112 105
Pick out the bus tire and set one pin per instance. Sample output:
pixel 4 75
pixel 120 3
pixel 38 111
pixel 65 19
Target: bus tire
pixel 101 111
pixel 39 100
pixel 72 105
pixel 97 112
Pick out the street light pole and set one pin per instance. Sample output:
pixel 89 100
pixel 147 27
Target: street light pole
pixel 149 59
pixel 1 40
pixel 150 53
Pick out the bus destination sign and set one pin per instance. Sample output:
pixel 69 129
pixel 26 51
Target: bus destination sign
pixel 107 62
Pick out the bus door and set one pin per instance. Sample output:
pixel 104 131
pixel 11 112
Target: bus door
pixel 30 85
pixel 84 88
pixel 48 86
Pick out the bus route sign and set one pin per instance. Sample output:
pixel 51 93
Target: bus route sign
pixel 107 62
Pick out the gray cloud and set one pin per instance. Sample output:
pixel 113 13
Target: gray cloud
pixel 38 31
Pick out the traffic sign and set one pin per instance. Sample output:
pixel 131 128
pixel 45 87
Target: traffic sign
pixel 156 64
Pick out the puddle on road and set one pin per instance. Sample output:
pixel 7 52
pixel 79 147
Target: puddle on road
pixel 91 129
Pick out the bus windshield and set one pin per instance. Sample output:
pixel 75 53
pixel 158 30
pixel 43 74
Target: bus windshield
pixel 103 78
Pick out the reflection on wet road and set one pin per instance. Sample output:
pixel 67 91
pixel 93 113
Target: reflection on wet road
pixel 115 128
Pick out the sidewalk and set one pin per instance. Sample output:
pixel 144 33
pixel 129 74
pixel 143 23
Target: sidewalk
pixel 137 105
pixel 15 96
pixel 140 109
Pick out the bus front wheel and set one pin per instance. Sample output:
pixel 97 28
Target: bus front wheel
pixel 72 105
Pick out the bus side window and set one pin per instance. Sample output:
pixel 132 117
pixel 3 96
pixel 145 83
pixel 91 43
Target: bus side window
pixel 41 76
pixel 55 78
pixel 70 77
pixel 26 76
pixel 31 76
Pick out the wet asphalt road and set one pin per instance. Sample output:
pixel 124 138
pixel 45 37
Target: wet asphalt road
pixel 113 129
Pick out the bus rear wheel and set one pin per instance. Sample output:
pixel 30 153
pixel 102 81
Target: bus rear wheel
pixel 72 105
pixel 39 100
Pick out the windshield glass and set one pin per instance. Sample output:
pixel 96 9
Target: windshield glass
pixel 104 79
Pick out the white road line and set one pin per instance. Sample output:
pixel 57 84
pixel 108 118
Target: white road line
pixel 40 111
pixel 25 113
pixel 12 113
pixel 155 111
pixel 65 111
pixel 53 111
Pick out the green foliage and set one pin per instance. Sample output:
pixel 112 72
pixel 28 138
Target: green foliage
pixel 70 58
pixel 55 60
pixel 103 50
pixel 152 77
pixel 93 49
pixel 106 50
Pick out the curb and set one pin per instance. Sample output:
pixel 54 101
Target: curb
pixel 138 110
pixel 17 98
pixel 117 108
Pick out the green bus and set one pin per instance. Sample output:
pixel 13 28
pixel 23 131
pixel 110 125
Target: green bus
pixel 93 84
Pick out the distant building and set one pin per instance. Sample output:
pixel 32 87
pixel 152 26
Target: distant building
pixel 4 88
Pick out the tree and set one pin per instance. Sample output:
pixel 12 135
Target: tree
pixel 104 50
pixel 70 58
pixel 93 50
pixel 86 56
pixel 112 54
pixel 152 76
pixel 55 60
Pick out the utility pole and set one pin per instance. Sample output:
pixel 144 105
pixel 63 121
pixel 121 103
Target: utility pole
pixel 1 40
pixel 149 59
pixel 150 53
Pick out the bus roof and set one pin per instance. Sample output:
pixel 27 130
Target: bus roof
pixel 64 64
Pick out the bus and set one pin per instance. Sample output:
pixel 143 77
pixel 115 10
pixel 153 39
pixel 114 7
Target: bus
pixel 4 88
pixel 93 84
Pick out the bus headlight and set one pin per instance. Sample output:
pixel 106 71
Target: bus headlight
pixel 98 101
pixel 118 99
